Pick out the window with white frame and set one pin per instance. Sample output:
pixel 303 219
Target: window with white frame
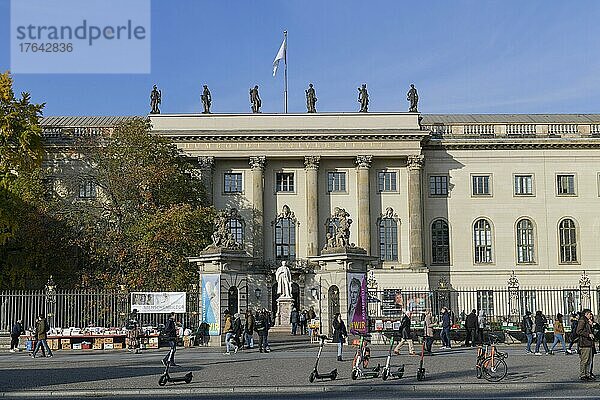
pixel 523 185
pixel 565 185
pixel 525 244
pixel 388 239
pixel 336 181
pixel 481 185
pixel 438 185
pixel 440 242
pixel 232 182
pixel 482 241
pixel 567 233
pixel 284 181
pixel 87 189
pixel 386 181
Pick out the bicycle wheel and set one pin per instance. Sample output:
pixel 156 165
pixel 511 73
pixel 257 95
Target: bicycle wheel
pixel 494 371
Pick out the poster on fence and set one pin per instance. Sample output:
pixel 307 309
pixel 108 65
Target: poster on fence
pixel 158 302
pixel 211 302
pixel 357 302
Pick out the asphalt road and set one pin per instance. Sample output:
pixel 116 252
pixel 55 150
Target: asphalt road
pixel 282 373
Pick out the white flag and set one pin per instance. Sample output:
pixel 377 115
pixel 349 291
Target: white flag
pixel 280 56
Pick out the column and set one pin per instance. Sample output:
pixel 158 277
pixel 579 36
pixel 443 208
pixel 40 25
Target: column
pixel 363 164
pixel 207 168
pixel 415 165
pixel 257 165
pixel 311 166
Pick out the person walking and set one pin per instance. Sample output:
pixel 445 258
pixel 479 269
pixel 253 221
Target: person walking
pixel 41 333
pixel 261 330
pixel 586 345
pixel 339 334
pixel 445 334
pixel 559 332
pixel 527 328
pixel 540 323
pixel 406 334
pixel 268 325
pixel 16 331
pixel 228 329
pixel 249 330
pixel 303 324
pixel 471 328
pixel 574 319
pixel 237 331
pixel 312 315
pixel 482 323
pixel 294 319
pixel 171 334
pixel 428 331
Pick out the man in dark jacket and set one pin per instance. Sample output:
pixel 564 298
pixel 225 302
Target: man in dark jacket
pixel 249 330
pixel 540 332
pixel 171 334
pixel 237 331
pixel 406 335
pixel 339 334
pixel 586 345
pixel 527 328
pixel 294 319
pixel 41 331
pixel 16 331
pixel 261 329
pixel 573 337
pixel 471 327
pixel 446 324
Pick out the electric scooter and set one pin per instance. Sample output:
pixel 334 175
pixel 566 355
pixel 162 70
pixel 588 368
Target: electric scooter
pixel 361 361
pixel 387 371
pixel 421 370
pixel 315 372
pixel 165 377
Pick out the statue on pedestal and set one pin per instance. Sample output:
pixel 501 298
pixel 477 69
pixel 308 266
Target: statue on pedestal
pixel 206 100
pixel 413 97
pixel 155 100
pixel 363 98
pixel 284 281
pixel 255 99
pixel 222 237
pixel 311 99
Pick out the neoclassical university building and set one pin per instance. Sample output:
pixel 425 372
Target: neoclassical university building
pixel 463 201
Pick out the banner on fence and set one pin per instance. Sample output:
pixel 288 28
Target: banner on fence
pixel 158 302
pixel 211 302
pixel 357 302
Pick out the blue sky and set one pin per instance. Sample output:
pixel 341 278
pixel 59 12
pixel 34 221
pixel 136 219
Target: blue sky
pixel 463 56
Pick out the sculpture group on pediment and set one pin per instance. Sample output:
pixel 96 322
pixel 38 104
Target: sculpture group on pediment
pixel 340 238
pixel 222 237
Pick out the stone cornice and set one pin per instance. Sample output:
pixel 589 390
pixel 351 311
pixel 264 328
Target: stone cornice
pixel 507 144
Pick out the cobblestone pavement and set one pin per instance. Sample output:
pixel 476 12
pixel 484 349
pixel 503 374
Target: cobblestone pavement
pixel 284 371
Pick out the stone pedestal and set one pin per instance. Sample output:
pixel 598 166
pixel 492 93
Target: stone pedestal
pixel 282 319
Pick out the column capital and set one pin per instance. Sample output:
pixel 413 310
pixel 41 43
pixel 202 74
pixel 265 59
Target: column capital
pixel 364 161
pixel 258 162
pixel 206 163
pixel 312 162
pixel 415 162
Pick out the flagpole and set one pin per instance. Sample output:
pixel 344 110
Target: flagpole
pixel 285 81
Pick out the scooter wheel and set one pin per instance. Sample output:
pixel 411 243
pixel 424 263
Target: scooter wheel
pixel 162 381
pixel 385 374
pixel 312 377
pixel 334 375
pixel 354 374
pixel 420 375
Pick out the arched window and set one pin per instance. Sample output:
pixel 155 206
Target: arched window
pixel 388 239
pixel 285 239
pixel 525 245
pixel 568 241
pixel 237 229
pixel 232 300
pixel 440 242
pixel 482 241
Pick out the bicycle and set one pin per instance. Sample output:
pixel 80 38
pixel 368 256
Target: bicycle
pixel 490 363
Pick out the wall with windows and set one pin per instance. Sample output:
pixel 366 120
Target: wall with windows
pixel 540 206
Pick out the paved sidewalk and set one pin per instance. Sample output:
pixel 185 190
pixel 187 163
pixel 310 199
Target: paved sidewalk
pixel 283 371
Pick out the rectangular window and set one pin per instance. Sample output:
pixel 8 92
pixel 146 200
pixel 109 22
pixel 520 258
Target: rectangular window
pixel 87 190
pixel 233 182
pixel 438 185
pixel 481 185
pixel 386 181
pixel 284 182
pixel 485 301
pixel 565 185
pixel 523 185
pixel 336 181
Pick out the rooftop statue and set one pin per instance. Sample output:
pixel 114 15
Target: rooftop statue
pixel 413 97
pixel 206 100
pixel 311 99
pixel 155 99
pixel 363 98
pixel 255 100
